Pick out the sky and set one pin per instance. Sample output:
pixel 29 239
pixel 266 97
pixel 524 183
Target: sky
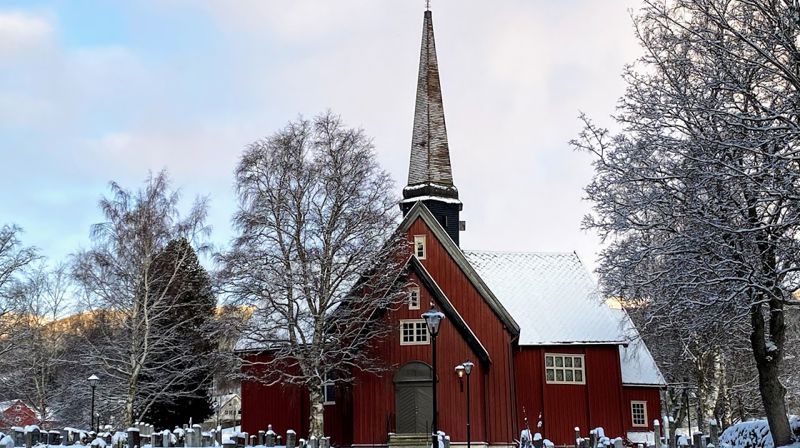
pixel 99 91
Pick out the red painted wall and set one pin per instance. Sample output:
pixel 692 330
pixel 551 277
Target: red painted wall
pixel 287 407
pixel 565 406
pixel 500 404
pixel 23 417
pixel 651 395
pixel 373 397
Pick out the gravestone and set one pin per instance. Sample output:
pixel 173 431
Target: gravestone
pixel 270 437
pixel 713 430
pixel 134 438
pixel 291 438
pixel 53 437
pixel 657 433
pixel 697 440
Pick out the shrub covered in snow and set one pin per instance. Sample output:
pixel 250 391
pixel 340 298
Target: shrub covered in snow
pixel 6 441
pixel 754 434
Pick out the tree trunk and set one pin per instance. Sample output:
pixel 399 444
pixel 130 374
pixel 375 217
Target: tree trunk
pixel 317 414
pixel 772 395
pixel 129 400
pixel 768 363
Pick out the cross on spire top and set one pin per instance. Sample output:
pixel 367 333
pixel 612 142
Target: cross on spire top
pixel 427 5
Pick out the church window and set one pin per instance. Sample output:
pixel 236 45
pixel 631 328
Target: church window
pixel 329 390
pixel 413 332
pixel 413 299
pixel 639 413
pixel 564 369
pixel 420 249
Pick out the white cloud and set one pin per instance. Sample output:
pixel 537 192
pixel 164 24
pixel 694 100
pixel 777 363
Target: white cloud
pixel 21 31
pixel 515 74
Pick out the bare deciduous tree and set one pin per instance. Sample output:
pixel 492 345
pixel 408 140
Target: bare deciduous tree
pixel 699 193
pixel 14 258
pixel 40 298
pixel 316 255
pixel 129 280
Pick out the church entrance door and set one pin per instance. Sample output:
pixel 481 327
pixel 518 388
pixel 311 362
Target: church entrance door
pixel 413 398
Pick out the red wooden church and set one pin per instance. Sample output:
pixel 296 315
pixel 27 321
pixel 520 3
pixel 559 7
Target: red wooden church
pixel 542 342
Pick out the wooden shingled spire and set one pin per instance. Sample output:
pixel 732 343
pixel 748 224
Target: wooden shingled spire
pixel 430 154
pixel 430 176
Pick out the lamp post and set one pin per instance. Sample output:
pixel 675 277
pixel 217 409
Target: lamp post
pixel 432 319
pixel 93 383
pixel 461 369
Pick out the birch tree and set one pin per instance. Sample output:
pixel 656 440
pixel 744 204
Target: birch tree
pixel 315 256
pixel 39 299
pixel 697 194
pixel 14 259
pixel 128 279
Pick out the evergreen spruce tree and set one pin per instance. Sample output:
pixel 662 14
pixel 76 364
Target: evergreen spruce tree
pixel 193 306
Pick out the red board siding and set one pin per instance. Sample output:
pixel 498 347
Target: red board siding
pixel 604 388
pixel 566 406
pixel 287 407
pixel 373 396
pixel 23 417
pixel 499 401
pixel 651 395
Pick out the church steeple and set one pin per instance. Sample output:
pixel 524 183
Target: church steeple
pixel 430 176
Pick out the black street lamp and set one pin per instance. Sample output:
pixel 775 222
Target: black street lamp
pixel 433 318
pixel 461 369
pixel 93 383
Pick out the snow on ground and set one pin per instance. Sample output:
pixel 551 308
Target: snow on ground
pixel 754 434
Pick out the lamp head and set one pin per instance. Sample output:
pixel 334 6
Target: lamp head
pixel 460 370
pixel 93 380
pixel 468 365
pixel 433 318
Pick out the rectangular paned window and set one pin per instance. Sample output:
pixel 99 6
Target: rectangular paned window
pixel 413 332
pixel 413 299
pixel 639 413
pixel 329 390
pixel 420 251
pixel 564 369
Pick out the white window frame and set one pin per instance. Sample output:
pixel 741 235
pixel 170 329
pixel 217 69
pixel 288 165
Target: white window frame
pixel 417 324
pixel 326 383
pixel 564 369
pixel 417 240
pixel 411 292
pixel 644 413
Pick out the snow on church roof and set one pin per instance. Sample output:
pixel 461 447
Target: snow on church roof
pixel 550 295
pixel 555 301
pixel 638 365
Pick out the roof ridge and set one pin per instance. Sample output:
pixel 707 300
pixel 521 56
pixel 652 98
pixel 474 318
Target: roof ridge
pixel 522 252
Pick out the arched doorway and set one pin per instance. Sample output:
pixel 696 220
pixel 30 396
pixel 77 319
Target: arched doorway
pixel 413 397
